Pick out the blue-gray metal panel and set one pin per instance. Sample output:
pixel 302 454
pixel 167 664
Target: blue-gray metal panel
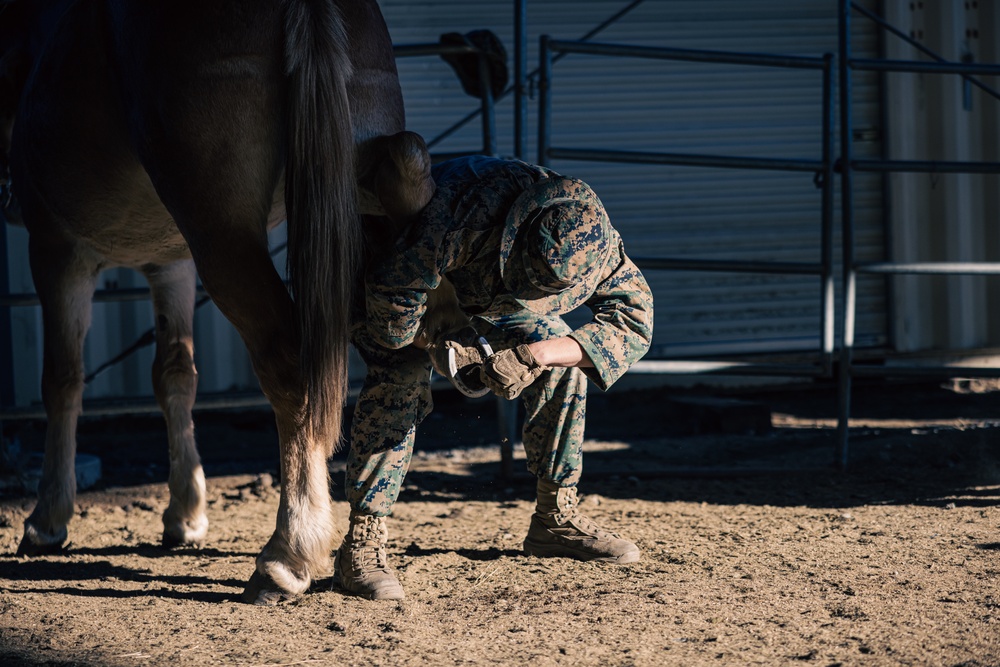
pixel 628 104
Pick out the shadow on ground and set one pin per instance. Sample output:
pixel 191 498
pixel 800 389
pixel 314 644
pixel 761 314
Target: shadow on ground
pixel 937 447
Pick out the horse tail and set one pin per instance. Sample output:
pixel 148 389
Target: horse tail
pixel 324 225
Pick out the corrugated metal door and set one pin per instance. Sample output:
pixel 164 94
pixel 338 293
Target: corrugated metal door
pixel 631 104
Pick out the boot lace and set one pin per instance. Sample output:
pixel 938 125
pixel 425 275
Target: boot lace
pixel 569 512
pixel 368 548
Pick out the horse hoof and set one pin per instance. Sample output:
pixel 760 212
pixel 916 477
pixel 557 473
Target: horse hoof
pixel 171 542
pixel 262 591
pixel 31 550
pixel 183 532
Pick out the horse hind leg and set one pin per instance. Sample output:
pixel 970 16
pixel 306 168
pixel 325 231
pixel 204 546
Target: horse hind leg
pixel 226 237
pixel 65 277
pixel 249 292
pixel 175 381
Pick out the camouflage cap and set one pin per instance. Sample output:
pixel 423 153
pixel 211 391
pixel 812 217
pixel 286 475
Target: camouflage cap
pixel 556 242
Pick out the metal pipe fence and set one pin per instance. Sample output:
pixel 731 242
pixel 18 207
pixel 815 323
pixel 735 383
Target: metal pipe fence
pixel 6 335
pixel 822 167
pixel 487 106
pixel 836 364
pixel 848 166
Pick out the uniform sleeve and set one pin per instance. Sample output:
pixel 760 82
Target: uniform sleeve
pixel 622 327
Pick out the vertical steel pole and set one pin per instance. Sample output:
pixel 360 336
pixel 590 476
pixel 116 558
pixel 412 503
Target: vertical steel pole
pixel 510 434
pixel 488 109
pixel 545 100
pixel 829 148
pixel 520 78
pixel 6 335
pixel 7 397
pixel 847 232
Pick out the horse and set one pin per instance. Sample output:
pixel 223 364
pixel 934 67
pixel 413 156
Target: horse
pixel 168 136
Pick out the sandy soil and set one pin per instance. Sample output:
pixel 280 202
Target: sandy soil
pixel 893 563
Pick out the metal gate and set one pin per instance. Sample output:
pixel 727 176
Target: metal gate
pixel 857 168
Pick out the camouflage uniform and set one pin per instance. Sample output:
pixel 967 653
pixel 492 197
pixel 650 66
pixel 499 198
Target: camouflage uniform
pixel 464 233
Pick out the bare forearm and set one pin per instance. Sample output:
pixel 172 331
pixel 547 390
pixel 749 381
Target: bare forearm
pixel 562 352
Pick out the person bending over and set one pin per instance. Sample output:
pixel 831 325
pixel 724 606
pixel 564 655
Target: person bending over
pixel 520 245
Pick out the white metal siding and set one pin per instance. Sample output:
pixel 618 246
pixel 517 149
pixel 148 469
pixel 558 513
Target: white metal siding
pixel 944 217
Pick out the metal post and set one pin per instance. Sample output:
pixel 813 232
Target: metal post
pixel 6 341
pixel 509 435
pixel 544 100
pixel 847 232
pixel 6 335
pixel 828 297
pixel 488 112
pixel 520 78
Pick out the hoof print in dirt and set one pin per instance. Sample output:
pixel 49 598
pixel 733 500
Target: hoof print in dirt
pixel 263 592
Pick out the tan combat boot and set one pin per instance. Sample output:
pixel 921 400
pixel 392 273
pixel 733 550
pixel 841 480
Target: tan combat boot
pixel 559 529
pixel 361 561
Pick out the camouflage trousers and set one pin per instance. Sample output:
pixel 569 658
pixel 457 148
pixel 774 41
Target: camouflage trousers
pixel 396 397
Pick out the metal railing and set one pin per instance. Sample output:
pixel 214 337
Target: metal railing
pixel 822 168
pixel 487 106
pixel 7 389
pixel 848 165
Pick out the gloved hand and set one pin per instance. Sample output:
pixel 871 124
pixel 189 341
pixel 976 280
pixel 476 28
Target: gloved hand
pixel 465 355
pixel 508 372
pixel 458 356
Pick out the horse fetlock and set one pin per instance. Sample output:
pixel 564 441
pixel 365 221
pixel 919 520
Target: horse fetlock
pixel 443 313
pixel 287 579
pixel 186 482
pixel 56 501
pixel 305 534
pixel 292 564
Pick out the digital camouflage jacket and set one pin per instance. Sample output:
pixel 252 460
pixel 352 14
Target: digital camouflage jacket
pixel 458 235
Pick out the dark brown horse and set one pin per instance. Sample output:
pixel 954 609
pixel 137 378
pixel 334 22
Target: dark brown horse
pixel 147 134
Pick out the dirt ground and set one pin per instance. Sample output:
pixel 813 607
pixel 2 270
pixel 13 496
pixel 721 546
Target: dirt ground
pixel 893 563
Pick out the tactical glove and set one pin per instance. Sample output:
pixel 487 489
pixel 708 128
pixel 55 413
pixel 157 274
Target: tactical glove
pixel 464 356
pixel 508 372
pixel 458 356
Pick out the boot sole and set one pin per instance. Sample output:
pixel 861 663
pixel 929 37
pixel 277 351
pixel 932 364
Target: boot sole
pixel 374 595
pixel 559 551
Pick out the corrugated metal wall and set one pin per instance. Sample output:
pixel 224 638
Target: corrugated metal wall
pixel 222 360
pixel 619 103
pixel 944 217
pixel 700 108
